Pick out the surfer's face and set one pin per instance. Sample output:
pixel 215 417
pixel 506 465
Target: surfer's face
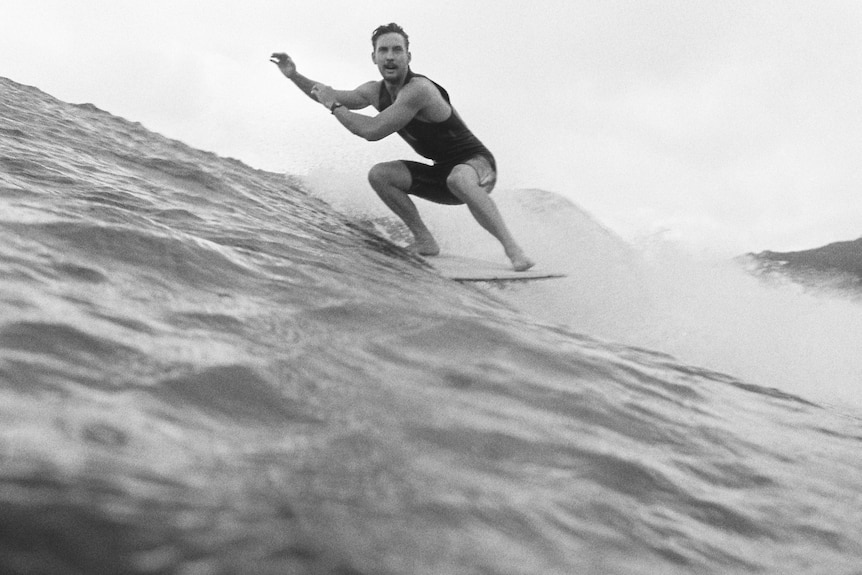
pixel 391 56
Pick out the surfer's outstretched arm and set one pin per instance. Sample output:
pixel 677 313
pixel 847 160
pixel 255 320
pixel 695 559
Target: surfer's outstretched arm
pixel 287 67
pixel 352 99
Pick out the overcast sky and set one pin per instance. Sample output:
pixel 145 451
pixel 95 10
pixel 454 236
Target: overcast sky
pixel 732 126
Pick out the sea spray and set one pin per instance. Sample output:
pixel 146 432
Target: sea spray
pixel 702 309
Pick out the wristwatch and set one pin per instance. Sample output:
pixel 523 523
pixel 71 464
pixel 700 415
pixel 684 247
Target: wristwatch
pixel 335 106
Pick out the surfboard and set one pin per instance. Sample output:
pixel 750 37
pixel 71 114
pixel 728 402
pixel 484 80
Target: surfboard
pixel 464 269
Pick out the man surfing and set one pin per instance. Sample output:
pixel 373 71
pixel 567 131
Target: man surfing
pixel 418 109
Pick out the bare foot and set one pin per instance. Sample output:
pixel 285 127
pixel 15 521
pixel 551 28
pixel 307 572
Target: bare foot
pixel 523 264
pixel 520 262
pixel 426 247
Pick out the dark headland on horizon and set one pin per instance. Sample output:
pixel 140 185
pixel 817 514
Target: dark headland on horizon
pixel 836 259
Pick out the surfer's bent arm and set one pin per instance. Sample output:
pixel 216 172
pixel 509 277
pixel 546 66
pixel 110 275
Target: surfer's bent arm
pixel 356 99
pixel 387 122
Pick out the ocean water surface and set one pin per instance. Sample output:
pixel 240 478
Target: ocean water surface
pixel 206 369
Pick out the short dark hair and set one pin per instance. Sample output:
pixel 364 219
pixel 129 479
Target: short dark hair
pixel 389 29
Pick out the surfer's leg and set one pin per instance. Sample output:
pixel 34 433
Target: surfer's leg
pixel 464 183
pixel 391 180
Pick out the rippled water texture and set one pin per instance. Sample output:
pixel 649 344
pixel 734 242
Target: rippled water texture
pixel 206 370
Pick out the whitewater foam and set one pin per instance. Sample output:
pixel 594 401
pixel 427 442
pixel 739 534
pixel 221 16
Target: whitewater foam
pixel 700 308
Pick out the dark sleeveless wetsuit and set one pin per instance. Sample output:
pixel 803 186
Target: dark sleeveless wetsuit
pixel 448 143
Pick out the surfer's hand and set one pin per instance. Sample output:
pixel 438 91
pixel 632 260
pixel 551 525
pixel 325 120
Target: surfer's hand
pixel 284 63
pixel 324 94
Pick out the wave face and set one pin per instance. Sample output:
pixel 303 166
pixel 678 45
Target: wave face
pixel 204 369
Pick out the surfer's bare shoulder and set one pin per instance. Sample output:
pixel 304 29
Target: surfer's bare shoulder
pixel 424 100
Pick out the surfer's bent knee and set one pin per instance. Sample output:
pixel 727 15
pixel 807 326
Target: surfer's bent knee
pixel 484 171
pixel 388 173
pixel 379 173
pixel 376 173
